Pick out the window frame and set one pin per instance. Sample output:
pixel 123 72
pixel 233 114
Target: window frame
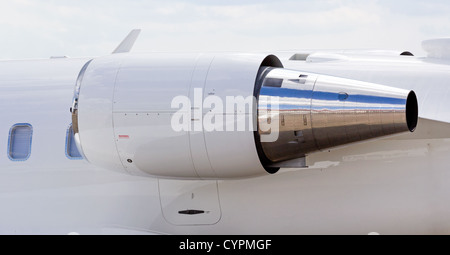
pixel 30 143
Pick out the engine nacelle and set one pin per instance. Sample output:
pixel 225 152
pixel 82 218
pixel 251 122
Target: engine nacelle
pixel 217 116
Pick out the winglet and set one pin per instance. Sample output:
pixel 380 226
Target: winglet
pixel 128 42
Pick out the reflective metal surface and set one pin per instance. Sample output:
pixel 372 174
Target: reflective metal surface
pixel 309 112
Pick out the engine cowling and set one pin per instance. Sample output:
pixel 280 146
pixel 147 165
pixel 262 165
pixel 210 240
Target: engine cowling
pixel 217 116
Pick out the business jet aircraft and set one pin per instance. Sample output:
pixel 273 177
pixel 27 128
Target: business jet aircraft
pixel 333 142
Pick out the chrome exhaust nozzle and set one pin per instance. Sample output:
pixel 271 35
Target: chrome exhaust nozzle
pixel 310 112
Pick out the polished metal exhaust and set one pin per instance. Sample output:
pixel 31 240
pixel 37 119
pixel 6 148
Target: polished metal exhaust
pixel 299 113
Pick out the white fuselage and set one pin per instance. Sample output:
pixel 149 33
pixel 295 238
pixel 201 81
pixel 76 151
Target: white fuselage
pixel 395 185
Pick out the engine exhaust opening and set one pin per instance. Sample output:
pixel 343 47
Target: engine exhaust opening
pixel 412 111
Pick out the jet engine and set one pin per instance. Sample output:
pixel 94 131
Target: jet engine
pixel 220 116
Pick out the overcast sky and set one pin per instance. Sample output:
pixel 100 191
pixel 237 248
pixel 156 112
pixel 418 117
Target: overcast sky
pixel 42 28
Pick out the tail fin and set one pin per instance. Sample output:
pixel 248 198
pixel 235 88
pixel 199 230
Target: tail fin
pixel 128 42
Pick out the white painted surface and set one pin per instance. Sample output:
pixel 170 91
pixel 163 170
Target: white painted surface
pixel 180 195
pixel 396 185
pixel 145 87
pixel 133 99
pixel 202 164
pixel 95 119
pixel 233 154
